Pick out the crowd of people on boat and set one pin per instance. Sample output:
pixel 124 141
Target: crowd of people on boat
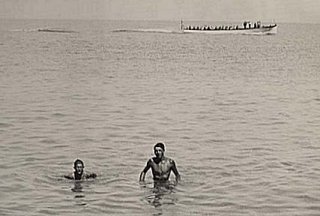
pixel 210 28
pixel 246 25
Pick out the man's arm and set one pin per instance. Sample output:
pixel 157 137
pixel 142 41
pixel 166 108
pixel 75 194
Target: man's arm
pixel 91 175
pixel 70 176
pixel 144 171
pixel 175 171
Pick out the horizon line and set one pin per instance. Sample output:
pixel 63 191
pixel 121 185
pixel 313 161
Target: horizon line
pixel 150 20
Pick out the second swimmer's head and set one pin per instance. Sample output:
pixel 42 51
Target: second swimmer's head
pixel 78 165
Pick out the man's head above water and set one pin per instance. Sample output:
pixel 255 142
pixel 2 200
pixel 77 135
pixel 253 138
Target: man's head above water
pixel 78 166
pixel 79 173
pixel 159 150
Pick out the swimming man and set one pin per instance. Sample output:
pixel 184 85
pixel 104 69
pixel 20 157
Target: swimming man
pixel 79 173
pixel 160 165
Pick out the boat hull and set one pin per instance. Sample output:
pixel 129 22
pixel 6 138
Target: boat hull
pixel 265 30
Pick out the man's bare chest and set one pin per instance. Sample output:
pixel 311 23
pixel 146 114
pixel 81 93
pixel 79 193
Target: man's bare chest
pixel 161 167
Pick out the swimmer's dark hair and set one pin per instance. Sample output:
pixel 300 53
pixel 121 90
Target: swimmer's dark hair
pixel 161 145
pixel 76 162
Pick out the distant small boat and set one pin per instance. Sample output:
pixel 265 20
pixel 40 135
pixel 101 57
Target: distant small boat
pixel 247 28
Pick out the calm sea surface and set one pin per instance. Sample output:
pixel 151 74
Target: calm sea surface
pixel 239 114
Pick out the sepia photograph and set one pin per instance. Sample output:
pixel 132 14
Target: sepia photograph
pixel 159 107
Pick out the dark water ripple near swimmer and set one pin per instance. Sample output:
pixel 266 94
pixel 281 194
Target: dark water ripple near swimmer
pixel 239 114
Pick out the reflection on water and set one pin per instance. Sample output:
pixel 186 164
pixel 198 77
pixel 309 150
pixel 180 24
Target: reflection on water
pixel 160 194
pixel 79 197
pixel 77 187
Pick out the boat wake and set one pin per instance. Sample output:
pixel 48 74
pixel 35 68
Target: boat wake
pixel 165 31
pixel 54 30
pixel 23 30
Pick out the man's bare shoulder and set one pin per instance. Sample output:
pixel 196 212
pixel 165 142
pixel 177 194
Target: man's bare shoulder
pixel 169 160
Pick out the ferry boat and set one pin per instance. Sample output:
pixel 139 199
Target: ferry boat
pixel 247 28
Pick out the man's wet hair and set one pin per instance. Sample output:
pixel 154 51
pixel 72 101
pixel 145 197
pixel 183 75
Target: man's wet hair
pixel 161 145
pixel 76 162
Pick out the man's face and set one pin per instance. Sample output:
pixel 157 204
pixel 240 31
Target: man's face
pixel 79 168
pixel 158 152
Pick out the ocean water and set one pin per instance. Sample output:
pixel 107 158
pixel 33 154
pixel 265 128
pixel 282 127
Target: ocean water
pixel 239 114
